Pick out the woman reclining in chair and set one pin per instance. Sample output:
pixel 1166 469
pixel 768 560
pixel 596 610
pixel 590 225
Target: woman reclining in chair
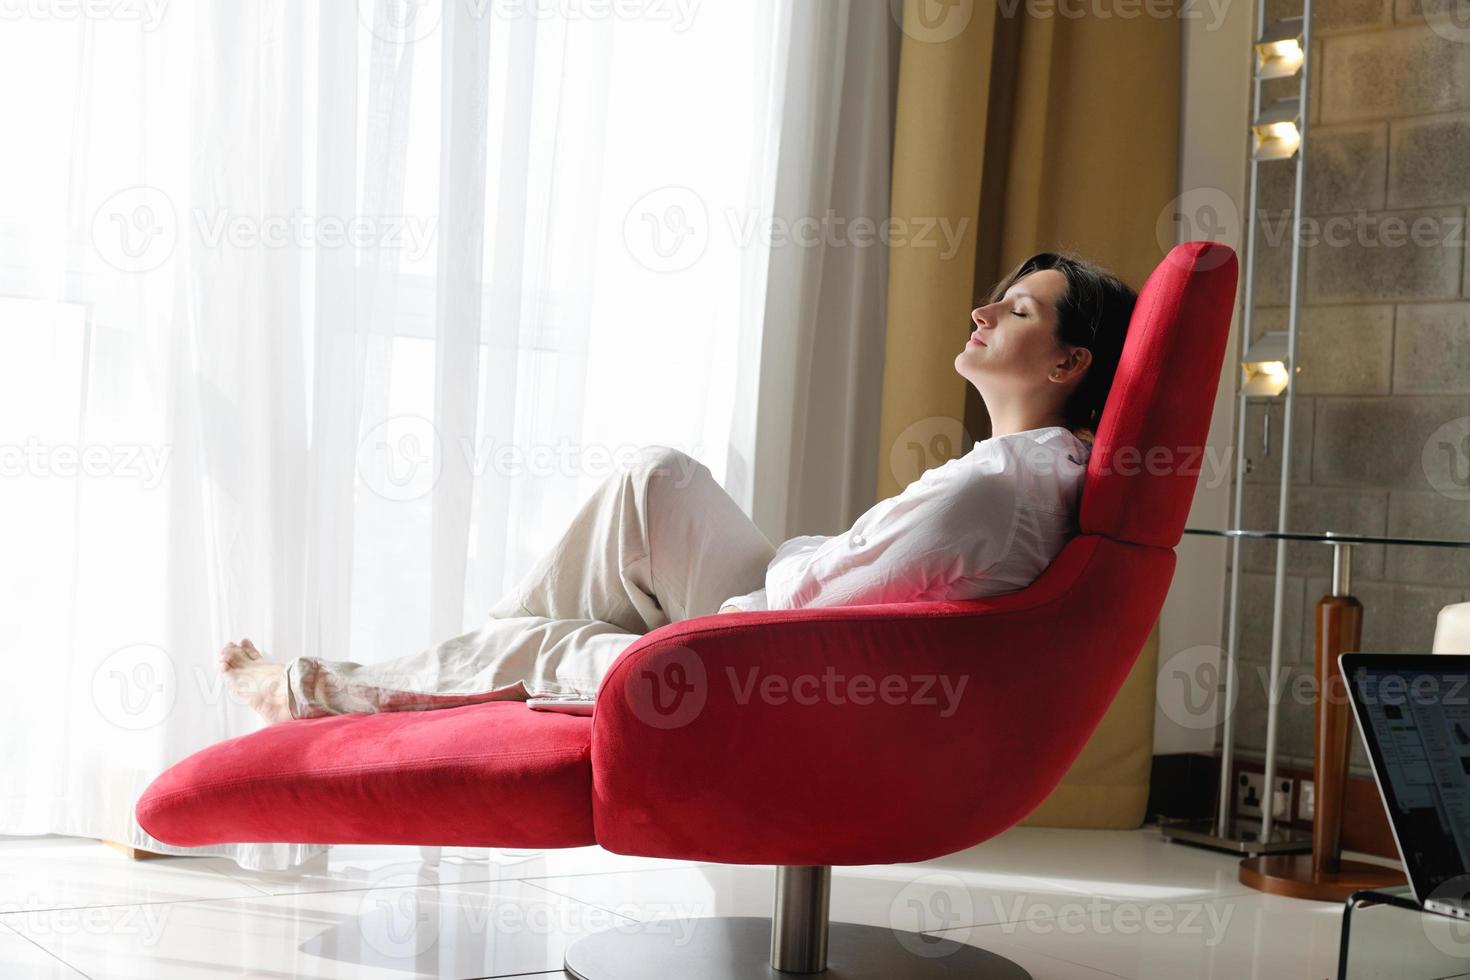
pixel 661 541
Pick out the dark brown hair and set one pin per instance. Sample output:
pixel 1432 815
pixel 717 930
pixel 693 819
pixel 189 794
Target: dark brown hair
pixel 1092 313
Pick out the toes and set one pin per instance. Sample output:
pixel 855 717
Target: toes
pixel 232 655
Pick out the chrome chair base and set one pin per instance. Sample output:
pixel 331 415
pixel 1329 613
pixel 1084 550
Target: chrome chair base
pixel 739 948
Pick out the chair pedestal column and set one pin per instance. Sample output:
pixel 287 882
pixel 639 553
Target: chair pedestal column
pixel 799 925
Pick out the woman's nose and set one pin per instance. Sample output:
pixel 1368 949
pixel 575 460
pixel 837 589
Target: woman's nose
pixel 978 315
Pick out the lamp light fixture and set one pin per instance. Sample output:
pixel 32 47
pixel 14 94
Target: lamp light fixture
pixel 1275 132
pixel 1263 370
pixel 1279 49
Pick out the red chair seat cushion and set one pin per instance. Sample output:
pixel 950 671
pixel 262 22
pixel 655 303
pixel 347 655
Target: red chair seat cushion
pixel 492 774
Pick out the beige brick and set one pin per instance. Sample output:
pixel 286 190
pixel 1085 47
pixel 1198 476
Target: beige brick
pixel 1254 617
pixel 1431 349
pixel 1409 70
pixel 1273 256
pixel 1428 515
pixel 1384 255
pixel 1381 441
pixel 1429 161
pixel 1412 10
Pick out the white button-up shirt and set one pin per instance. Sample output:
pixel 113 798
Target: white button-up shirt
pixel 984 523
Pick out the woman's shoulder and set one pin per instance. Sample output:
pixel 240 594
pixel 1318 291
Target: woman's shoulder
pixel 1055 449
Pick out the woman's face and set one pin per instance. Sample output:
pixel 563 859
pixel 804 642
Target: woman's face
pixel 1014 340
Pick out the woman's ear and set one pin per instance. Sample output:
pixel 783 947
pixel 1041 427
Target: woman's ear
pixel 1075 362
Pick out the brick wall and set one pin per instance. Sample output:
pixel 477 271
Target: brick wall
pixel 1383 346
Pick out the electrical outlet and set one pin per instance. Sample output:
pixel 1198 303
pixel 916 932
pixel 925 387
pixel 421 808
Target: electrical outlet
pixel 1306 801
pixel 1250 791
pixel 1281 804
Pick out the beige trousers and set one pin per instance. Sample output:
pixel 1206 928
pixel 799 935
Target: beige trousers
pixel 659 541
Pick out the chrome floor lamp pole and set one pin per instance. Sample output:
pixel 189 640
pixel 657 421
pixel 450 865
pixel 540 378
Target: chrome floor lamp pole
pixel 1278 133
pixel 1292 316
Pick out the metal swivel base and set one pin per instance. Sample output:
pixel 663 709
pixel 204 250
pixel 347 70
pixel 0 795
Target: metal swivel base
pixel 739 948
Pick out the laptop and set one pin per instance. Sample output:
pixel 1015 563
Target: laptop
pixel 1413 711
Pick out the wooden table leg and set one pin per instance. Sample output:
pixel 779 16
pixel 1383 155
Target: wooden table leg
pixel 1323 875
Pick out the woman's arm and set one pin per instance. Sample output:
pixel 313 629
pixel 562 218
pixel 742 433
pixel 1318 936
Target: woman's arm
pixel 745 603
pixel 937 531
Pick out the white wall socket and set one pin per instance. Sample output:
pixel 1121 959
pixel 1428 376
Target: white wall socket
pixel 1281 804
pixel 1249 792
pixel 1306 804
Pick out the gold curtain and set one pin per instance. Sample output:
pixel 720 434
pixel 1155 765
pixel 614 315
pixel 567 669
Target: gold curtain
pixel 1027 125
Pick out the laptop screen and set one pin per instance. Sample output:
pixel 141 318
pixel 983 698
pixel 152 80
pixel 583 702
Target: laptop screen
pixel 1414 713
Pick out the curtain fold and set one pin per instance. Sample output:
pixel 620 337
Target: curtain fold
pixel 810 429
pixel 1039 129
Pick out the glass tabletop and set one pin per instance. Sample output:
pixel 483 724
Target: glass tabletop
pixel 1328 537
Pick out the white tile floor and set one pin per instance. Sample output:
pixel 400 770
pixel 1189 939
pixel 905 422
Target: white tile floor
pixel 1065 904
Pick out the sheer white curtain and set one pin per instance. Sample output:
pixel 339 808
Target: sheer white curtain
pixel 317 322
pixel 819 375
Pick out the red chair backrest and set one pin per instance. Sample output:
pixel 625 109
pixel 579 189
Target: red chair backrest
pixel 1150 444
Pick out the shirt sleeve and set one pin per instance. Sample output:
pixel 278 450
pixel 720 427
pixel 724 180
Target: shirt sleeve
pixel 749 601
pixel 950 524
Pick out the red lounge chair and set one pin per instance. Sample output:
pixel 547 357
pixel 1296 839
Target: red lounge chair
pixel 686 758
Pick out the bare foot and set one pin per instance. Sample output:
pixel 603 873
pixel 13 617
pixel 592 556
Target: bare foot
pixel 258 682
